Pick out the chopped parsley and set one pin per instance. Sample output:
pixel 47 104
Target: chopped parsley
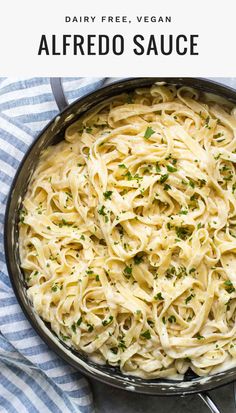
pixel 128 272
pixel 167 187
pixel 158 296
pixel 191 183
pixel 90 328
pixel 171 168
pixel 163 178
pixel 122 165
pixel 168 225
pixel 229 287
pixel 107 194
pixel 73 327
pixel 178 272
pixel 189 298
pixel 150 323
pixel 181 272
pixel 89 272
pixel 138 259
pixel 182 232
pixel 172 319
pixel 79 321
pixel 23 213
pixel 55 287
pixel 122 345
pixel 207 122
pixel 218 135
pixel 130 177
pixel 148 133
pixel 229 177
pixel 171 272
pixel 107 322
pixel 146 334
pixel 64 338
pixel 101 211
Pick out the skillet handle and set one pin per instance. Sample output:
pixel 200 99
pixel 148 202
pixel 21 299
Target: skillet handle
pixel 209 402
pixel 58 93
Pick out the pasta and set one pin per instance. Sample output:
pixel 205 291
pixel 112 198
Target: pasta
pixel 128 233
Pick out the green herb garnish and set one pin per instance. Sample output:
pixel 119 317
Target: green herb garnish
pixel 183 212
pixel 138 259
pixel 167 187
pixel 101 211
pixel 189 298
pixel 128 272
pixel 55 287
pixel 158 296
pixel 218 135
pixel 171 168
pixel 122 345
pixel 229 286
pixel 163 178
pixel 107 194
pixel 148 133
pixel 79 321
pixel 146 334
pixel 191 183
pixel 73 327
pixel 90 328
pixel 107 322
pixel 182 232
pixel 151 323
pixel 64 338
pixel 172 319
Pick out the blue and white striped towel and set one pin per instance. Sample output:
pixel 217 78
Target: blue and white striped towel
pixel 32 378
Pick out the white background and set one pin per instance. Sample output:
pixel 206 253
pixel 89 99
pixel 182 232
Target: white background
pixel 23 22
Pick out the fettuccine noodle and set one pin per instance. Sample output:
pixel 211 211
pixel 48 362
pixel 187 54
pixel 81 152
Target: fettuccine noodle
pixel 128 233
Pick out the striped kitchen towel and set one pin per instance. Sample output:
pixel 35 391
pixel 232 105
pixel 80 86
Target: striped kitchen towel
pixel 32 378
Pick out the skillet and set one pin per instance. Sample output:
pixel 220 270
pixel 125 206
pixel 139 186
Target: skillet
pixel 52 134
